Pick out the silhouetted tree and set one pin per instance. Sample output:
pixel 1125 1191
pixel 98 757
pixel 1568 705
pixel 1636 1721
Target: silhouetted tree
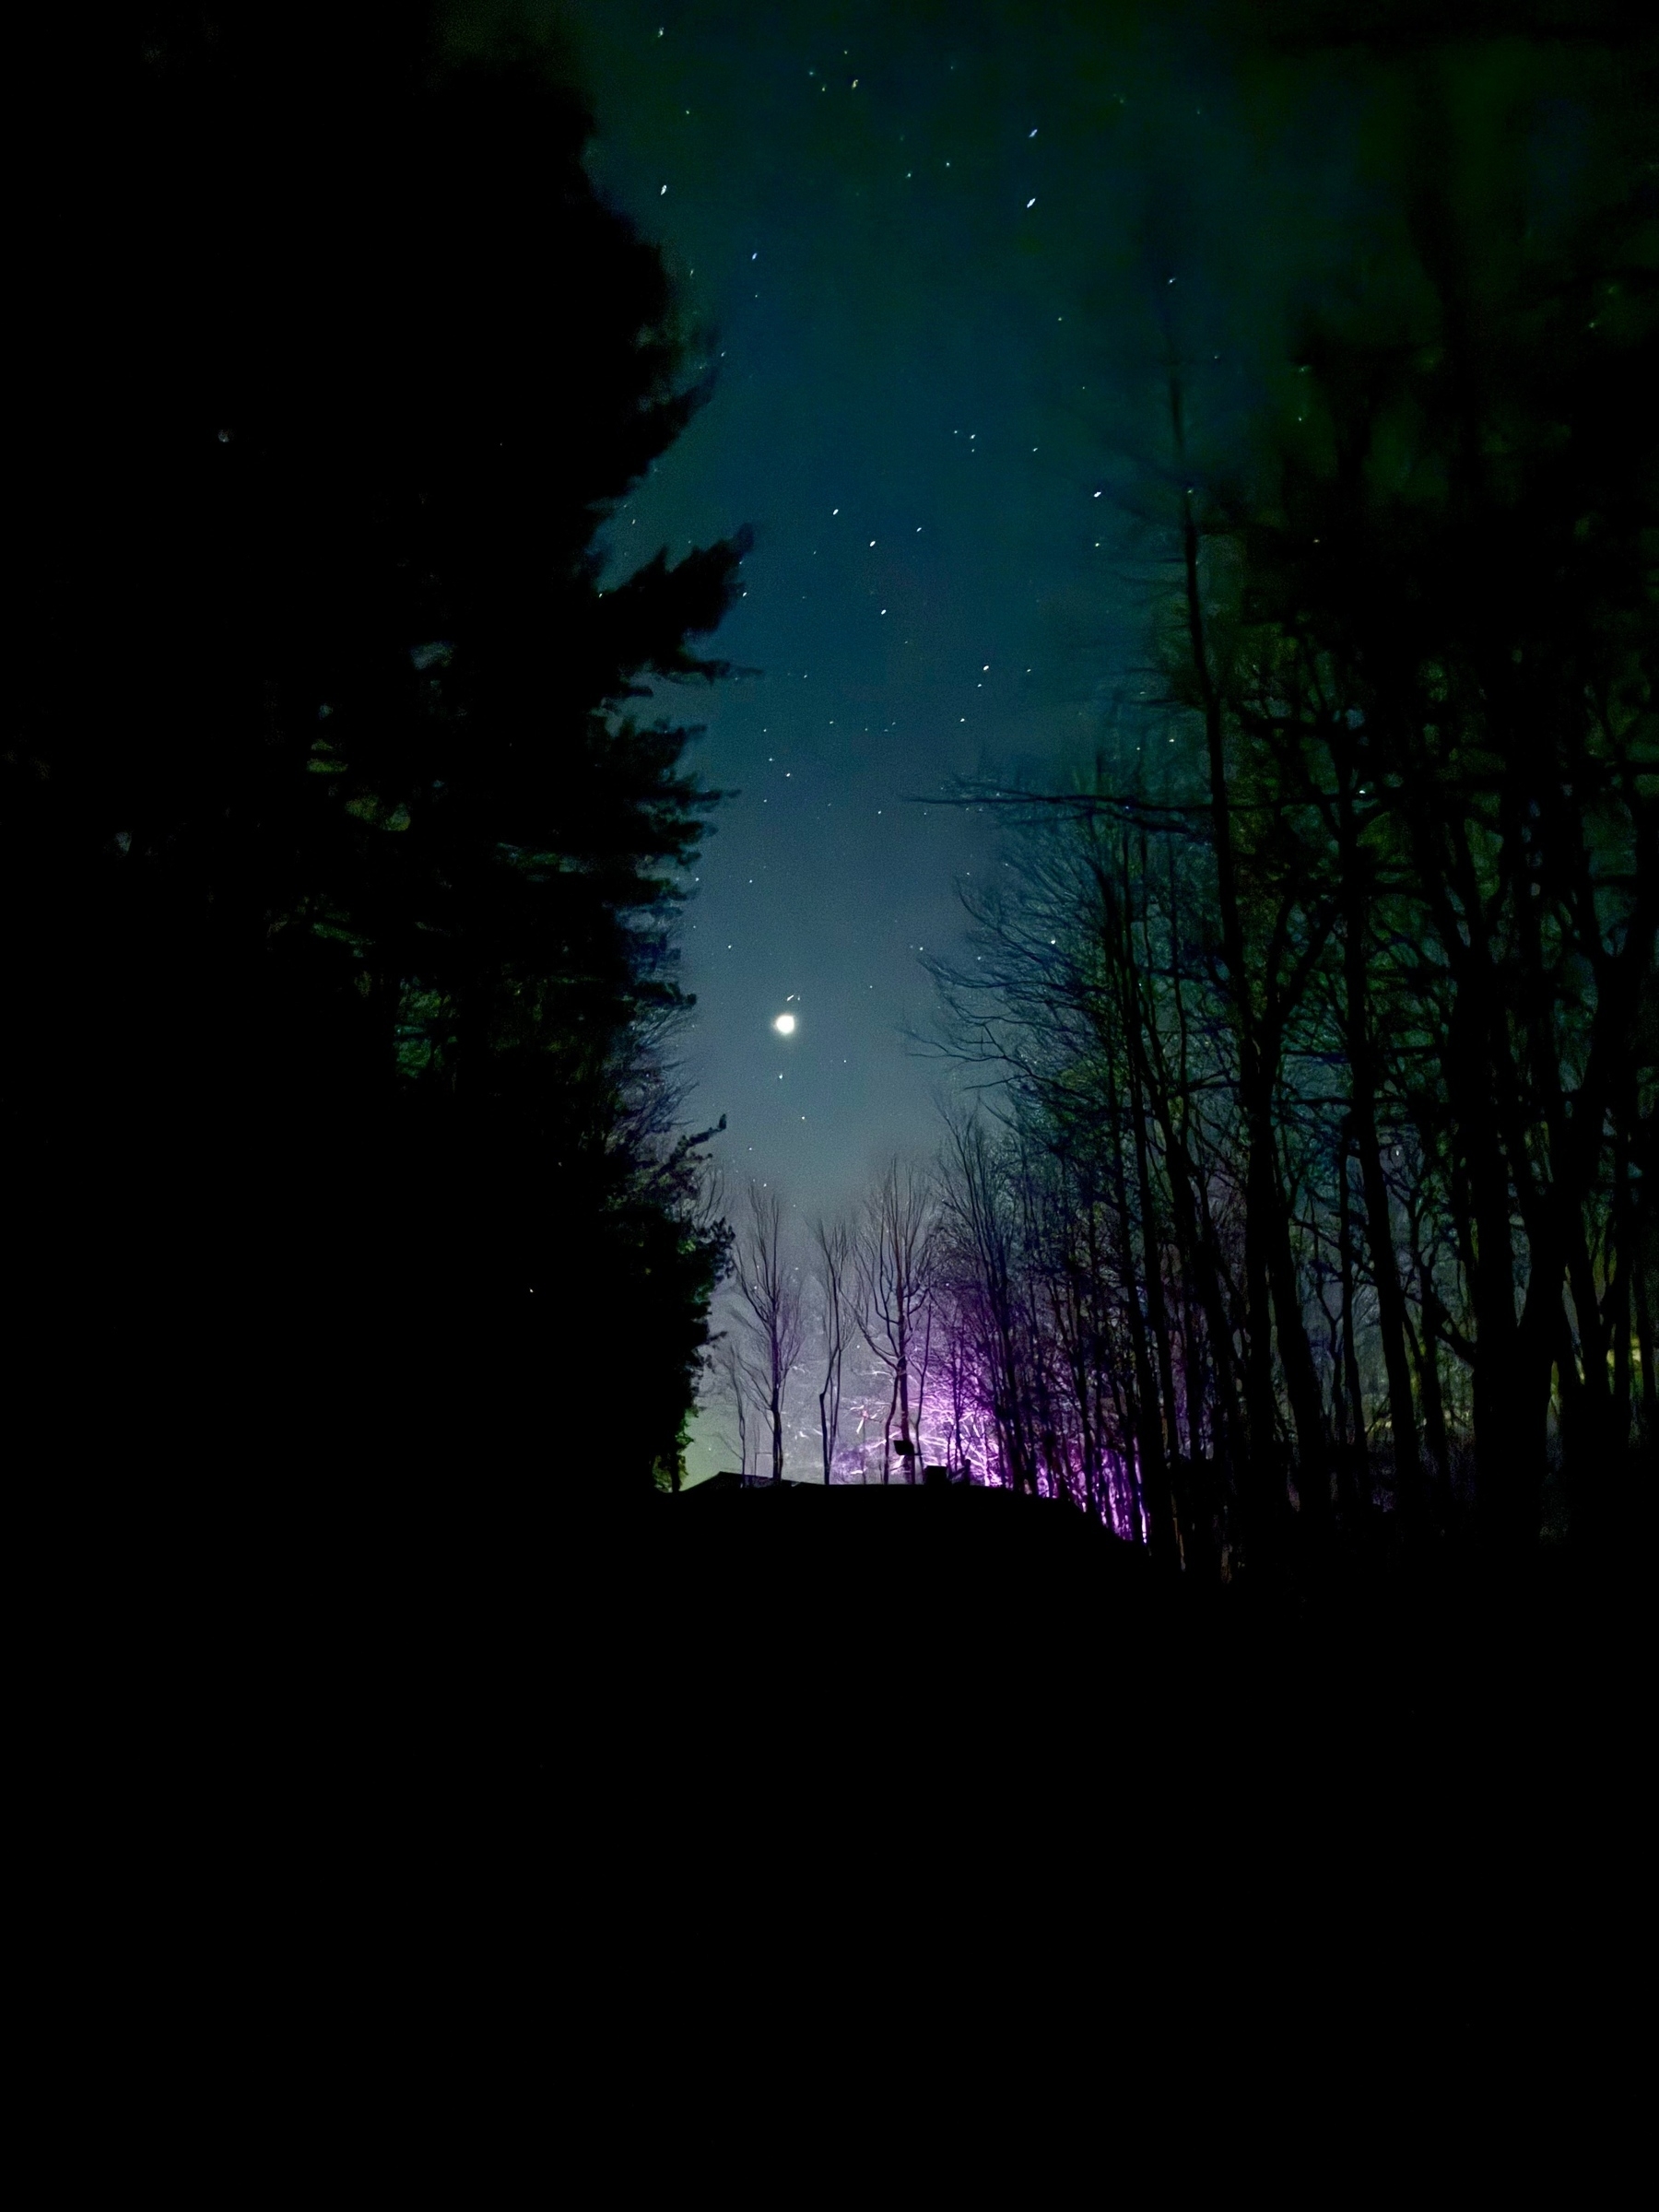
pixel 1392 906
pixel 773 1314
pixel 892 1257
pixel 1453 552
pixel 338 868
pixel 832 1242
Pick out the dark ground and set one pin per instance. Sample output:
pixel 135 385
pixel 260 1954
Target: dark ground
pixel 917 1777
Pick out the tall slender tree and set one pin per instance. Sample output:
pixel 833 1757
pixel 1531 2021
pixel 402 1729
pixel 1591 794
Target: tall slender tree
pixel 769 1284
pixel 893 1257
pixel 833 1242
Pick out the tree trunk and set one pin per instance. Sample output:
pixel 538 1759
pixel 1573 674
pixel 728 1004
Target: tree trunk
pixel 1359 1445
pixel 1379 1223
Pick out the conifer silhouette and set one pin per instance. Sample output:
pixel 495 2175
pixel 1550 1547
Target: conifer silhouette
pixel 340 871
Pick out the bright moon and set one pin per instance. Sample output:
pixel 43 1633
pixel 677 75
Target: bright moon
pixel 784 1024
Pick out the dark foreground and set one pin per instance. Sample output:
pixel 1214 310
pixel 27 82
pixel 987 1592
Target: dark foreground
pixel 899 1764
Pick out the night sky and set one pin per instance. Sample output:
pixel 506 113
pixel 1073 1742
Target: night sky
pixel 944 252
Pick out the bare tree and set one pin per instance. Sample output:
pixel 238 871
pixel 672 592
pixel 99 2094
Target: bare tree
pixel 833 1244
pixel 770 1290
pixel 893 1256
pixel 731 1370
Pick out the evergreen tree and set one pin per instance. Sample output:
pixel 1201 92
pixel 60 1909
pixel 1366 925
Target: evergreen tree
pixel 340 874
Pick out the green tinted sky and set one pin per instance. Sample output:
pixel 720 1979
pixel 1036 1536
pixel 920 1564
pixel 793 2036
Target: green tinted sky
pixel 943 254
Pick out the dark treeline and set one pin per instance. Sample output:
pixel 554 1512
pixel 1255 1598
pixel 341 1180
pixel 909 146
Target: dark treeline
pixel 1309 1198
pixel 338 876
pixel 1321 1196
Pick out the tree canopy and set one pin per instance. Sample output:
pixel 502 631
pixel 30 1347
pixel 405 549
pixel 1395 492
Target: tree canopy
pixel 340 860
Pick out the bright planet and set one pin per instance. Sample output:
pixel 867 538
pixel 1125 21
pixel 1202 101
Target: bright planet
pixel 784 1024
